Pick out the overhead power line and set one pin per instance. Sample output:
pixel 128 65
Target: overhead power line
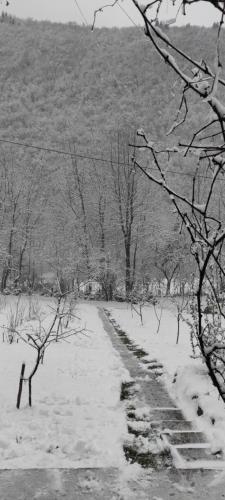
pixel 93 158
pixel 81 12
pixel 62 152
pixel 127 15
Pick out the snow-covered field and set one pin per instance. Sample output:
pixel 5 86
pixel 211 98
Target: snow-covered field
pixel 185 378
pixel 76 419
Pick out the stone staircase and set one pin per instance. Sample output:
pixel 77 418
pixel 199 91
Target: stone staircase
pixel 190 450
pixel 188 447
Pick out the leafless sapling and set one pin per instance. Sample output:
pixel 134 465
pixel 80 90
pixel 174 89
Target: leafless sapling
pixel 39 339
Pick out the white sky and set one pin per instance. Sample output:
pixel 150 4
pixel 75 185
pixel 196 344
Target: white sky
pixel 67 10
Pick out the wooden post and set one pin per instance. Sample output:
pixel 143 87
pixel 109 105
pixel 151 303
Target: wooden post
pixel 30 391
pixel 178 328
pixel 20 386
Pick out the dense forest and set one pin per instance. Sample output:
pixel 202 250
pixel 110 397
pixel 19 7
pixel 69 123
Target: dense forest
pixel 76 206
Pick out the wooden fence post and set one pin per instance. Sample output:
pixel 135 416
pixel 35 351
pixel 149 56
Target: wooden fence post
pixel 20 385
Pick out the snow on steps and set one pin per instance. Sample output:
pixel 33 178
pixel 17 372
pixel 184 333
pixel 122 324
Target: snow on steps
pixel 187 446
pixel 168 425
pixel 191 455
pixel 186 454
pixel 203 464
pixel 185 437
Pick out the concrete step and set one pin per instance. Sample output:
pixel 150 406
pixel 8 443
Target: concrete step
pixel 196 453
pixel 196 457
pixel 147 361
pixel 155 366
pixel 163 413
pixel 176 425
pixel 201 465
pixel 185 437
pixel 193 446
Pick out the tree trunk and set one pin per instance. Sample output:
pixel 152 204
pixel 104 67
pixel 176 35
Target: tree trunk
pixel 128 272
pixel 178 328
pixel 5 275
pixel 168 286
pixel 30 391
pixel 110 292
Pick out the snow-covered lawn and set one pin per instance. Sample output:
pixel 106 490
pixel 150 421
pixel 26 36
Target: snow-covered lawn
pixel 77 419
pixel 185 378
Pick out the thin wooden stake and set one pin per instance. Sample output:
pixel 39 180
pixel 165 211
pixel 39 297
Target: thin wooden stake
pixel 20 386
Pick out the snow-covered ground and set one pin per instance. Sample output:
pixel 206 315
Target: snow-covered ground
pixel 77 419
pixel 185 378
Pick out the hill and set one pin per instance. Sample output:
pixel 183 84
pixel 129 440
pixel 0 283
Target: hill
pixel 64 87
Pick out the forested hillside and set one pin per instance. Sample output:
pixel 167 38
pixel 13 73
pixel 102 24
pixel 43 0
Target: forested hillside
pixel 66 88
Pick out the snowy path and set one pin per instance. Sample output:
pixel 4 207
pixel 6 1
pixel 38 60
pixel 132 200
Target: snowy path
pixel 151 391
pixel 105 484
pixel 186 378
pixel 189 448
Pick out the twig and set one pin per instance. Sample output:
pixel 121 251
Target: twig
pixel 101 9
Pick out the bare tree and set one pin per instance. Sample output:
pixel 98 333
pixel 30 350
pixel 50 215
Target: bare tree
pixel 41 337
pixel 181 303
pixel 12 192
pixel 167 261
pixel 129 200
pixel 75 198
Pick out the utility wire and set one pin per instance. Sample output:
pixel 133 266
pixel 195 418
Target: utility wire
pixel 128 16
pixel 81 12
pixel 89 157
pixel 59 151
